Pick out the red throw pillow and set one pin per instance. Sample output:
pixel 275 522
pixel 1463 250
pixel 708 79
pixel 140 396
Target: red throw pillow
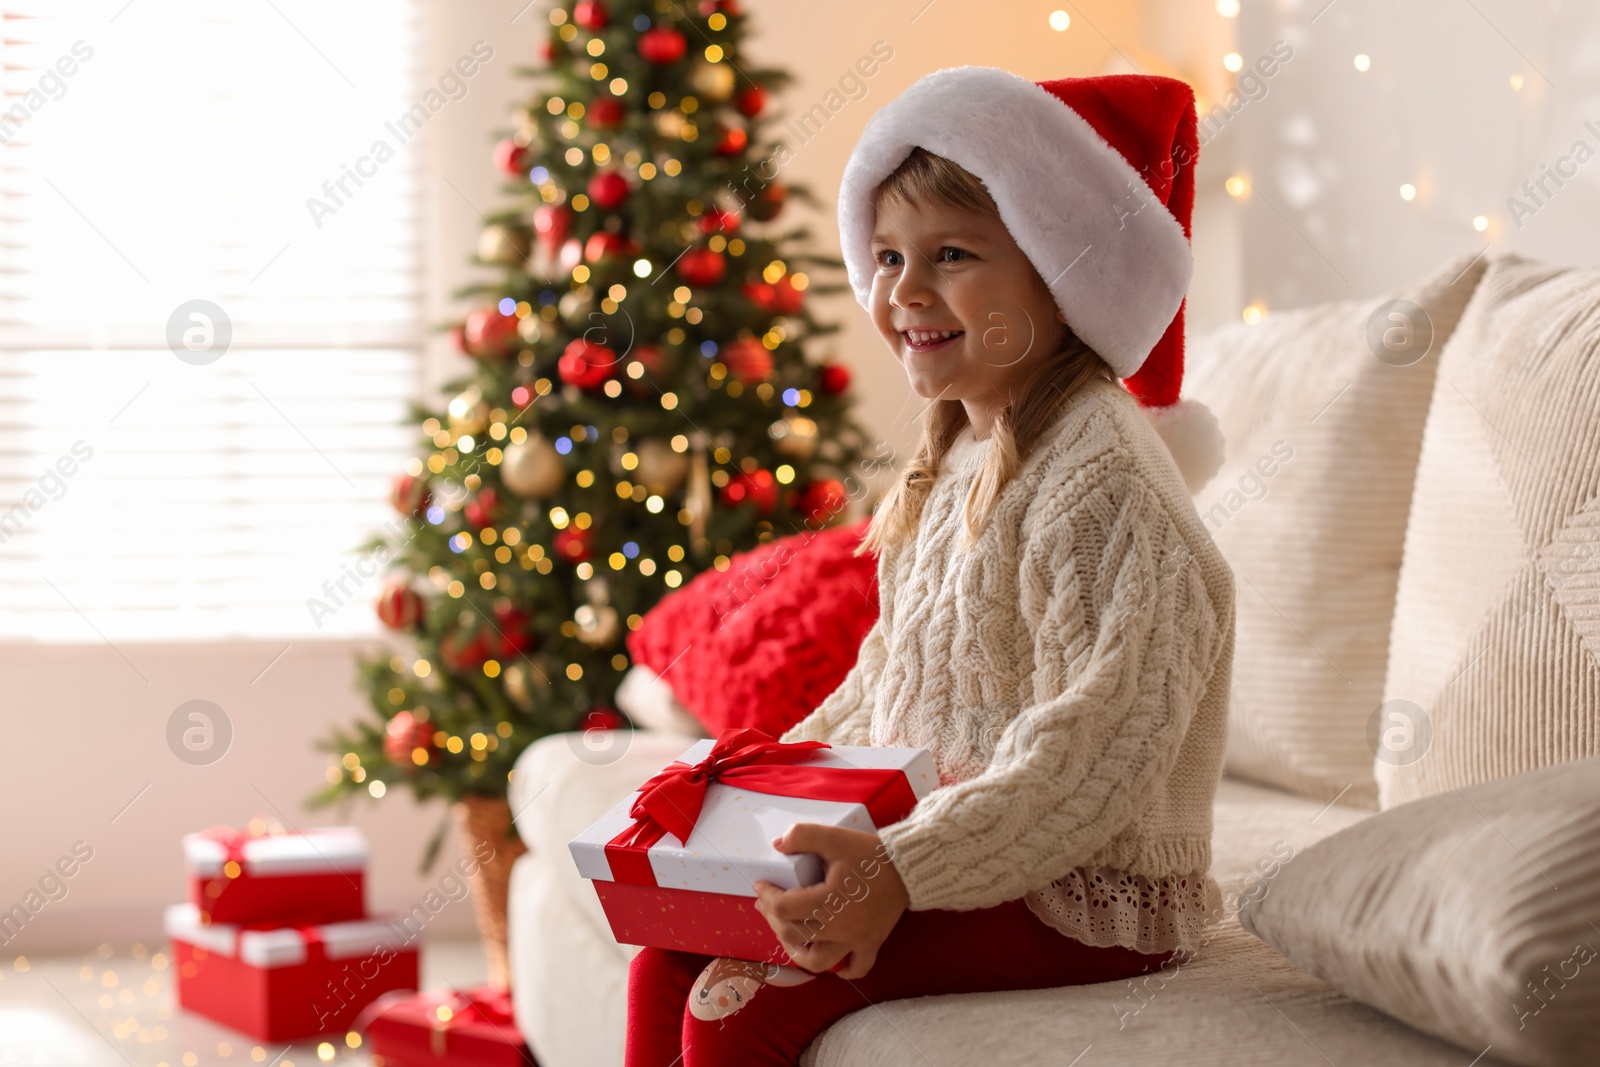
pixel 764 642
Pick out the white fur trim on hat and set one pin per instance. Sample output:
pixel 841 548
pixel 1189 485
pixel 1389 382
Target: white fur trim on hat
pixel 1115 259
pixel 1193 436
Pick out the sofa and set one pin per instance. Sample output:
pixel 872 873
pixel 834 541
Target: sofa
pixel 1409 504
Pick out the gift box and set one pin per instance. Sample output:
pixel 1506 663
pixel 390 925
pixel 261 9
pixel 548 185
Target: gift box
pixel 289 878
pixel 286 983
pixel 439 1027
pixel 675 863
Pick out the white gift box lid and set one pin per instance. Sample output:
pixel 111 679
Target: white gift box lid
pixel 730 848
pixel 284 946
pixel 317 851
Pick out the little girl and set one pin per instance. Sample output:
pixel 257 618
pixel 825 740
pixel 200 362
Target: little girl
pixel 1056 625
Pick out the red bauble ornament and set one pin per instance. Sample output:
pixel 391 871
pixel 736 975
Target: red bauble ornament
pixel 605 113
pixel 489 334
pixel 591 15
pixel 701 266
pixel 834 378
pixel 778 298
pixel 748 360
pixel 460 654
pixel 403 735
pixel 547 52
pixel 662 44
pixel 824 499
pixel 717 220
pixel 511 158
pixel 758 487
pixel 409 494
pixel 650 357
pixel 586 364
pixel 732 141
pixel 603 243
pixel 573 545
pixel 483 509
pixel 768 202
pixel 603 718
pixel 750 100
pixel 514 637
pixel 552 222
pixel 608 189
pixel 399 606
pixel 727 7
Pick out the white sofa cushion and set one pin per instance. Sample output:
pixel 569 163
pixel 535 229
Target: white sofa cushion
pixel 1310 509
pixel 1494 658
pixel 1471 914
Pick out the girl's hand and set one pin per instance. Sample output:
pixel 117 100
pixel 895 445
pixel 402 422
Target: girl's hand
pixel 840 923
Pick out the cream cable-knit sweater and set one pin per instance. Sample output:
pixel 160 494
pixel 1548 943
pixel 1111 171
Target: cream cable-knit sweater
pixel 1070 674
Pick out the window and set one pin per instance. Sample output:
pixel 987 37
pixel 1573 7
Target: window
pixel 157 153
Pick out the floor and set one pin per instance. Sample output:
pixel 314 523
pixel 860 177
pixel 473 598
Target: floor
pixel 114 1007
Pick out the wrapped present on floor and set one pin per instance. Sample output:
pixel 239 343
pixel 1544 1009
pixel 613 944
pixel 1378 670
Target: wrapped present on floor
pixel 286 983
pixel 236 876
pixel 676 862
pixel 472 1028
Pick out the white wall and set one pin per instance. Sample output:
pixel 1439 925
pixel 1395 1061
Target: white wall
pixel 83 732
pixel 1329 146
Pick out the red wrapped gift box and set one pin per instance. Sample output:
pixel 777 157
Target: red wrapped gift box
pixel 286 983
pixel 437 1027
pixel 294 878
pixel 676 862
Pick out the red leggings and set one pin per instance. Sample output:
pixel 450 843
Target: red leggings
pixel 927 953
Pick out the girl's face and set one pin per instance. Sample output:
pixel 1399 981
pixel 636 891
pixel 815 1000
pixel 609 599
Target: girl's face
pixel 947 271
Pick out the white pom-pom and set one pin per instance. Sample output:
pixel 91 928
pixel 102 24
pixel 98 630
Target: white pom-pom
pixel 1193 437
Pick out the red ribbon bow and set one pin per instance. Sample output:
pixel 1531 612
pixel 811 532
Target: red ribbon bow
pixel 674 797
pixel 749 759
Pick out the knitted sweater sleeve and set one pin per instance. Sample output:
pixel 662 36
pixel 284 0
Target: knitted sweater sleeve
pixel 1124 637
pixel 845 717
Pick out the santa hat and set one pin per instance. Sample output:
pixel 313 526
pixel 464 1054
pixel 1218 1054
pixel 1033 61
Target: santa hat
pixel 1094 179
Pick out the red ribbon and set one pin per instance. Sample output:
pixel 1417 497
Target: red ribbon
pixel 232 841
pixel 484 1004
pixel 749 759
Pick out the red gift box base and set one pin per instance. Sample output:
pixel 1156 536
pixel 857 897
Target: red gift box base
pixel 711 924
pixel 288 900
pixel 287 1003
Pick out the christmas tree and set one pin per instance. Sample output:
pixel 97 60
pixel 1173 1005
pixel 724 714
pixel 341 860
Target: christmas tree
pixel 639 405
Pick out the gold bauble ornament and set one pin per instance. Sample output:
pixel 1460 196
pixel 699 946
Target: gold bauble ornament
pixel 469 414
pixel 532 467
pixel 518 687
pixel 530 329
pixel 712 82
pixel 794 436
pixel 671 123
pixel 506 243
pixel 576 305
pixel 597 627
pixel 661 470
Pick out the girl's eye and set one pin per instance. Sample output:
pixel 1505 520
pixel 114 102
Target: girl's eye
pixel 882 261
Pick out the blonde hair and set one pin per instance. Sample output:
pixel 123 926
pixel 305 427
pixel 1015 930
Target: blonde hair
pixel 1030 410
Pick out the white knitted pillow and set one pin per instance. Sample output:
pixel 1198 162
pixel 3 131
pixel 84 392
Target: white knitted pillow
pixel 1472 915
pixel 1322 409
pixel 1494 659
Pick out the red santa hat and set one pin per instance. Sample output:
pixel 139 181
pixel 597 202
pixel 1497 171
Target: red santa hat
pixel 1094 179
